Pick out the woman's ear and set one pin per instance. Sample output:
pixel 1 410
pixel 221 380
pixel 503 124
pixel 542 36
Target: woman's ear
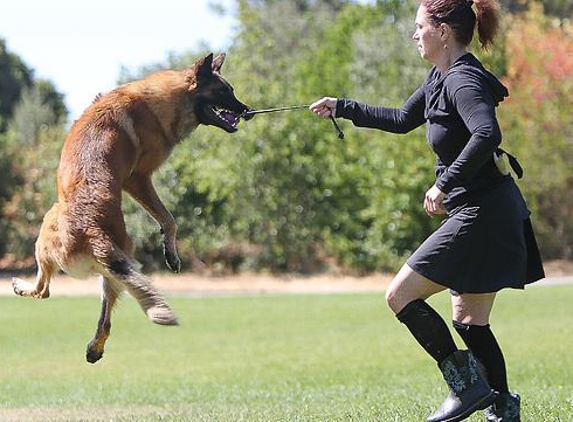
pixel 445 31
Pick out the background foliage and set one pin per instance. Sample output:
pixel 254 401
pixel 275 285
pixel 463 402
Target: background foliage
pixel 284 194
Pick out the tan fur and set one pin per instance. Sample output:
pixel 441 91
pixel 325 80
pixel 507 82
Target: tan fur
pixel 115 146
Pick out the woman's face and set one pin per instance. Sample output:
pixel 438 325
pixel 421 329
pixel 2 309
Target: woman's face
pixel 427 37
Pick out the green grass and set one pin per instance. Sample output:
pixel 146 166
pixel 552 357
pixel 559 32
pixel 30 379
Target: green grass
pixel 265 358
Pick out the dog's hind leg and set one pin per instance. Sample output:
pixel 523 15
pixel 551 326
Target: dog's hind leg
pixel 141 188
pixel 123 270
pixel 47 243
pixel 38 290
pixel 110 293
pixel 150 299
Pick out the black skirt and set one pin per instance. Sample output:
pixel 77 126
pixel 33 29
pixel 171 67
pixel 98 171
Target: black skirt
pixel 483 246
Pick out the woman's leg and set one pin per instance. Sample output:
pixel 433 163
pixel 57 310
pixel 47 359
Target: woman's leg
pixel 406 297
pixel 471 320
pixel 473 309
pixel 468 390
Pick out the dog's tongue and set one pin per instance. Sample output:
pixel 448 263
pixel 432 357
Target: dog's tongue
pixel 230 117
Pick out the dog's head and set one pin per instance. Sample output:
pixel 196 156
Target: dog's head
pixel 213 97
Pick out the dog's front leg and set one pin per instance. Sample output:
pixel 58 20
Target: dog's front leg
pixel 141 188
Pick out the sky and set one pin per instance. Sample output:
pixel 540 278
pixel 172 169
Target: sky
pixel 81 45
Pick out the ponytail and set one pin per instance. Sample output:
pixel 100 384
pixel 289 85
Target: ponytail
pixel 487 21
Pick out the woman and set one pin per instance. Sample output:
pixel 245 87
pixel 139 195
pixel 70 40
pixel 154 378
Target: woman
pixel 487 242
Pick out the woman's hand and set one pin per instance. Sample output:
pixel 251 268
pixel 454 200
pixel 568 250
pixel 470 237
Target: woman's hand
pixel 434 202
pixel 325 107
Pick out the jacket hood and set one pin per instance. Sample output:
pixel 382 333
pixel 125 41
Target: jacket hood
pixel 469 66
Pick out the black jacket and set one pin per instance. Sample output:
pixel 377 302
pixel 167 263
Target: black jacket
pixel 461 126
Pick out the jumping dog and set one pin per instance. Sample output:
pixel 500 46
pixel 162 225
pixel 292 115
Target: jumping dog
pixel 115 146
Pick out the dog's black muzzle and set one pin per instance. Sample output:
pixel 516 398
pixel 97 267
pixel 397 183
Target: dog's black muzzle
pixel 248 114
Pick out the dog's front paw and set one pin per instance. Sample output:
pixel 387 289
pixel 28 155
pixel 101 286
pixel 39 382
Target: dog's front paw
pixel 172 260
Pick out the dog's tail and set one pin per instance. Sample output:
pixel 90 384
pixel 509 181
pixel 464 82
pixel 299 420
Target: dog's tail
pixel 124 270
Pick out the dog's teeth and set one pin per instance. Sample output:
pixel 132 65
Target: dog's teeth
pixel 227 115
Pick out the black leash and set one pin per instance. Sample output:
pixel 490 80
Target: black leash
pixel 335 123
pixel 289 108
pixel 272 110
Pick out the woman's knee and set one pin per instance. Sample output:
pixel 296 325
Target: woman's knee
pixel 408 286
pixel 472 309
pixel 468 318
pixel 461 315
pixel 392 296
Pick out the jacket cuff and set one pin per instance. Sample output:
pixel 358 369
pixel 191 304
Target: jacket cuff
pixel 446 182
pixel 344 108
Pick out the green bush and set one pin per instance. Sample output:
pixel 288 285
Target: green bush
pixel 283 193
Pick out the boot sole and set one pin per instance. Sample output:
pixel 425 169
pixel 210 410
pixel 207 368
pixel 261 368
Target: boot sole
pixel 482 404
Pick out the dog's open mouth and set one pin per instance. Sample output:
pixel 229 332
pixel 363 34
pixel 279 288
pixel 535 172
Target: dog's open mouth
pixel 218 116
pixel 227 116
pixel 222 117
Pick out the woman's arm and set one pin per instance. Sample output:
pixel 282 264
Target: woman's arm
pixel 401 120
pixel 476 107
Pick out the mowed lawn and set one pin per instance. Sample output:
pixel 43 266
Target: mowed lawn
pixel 340 357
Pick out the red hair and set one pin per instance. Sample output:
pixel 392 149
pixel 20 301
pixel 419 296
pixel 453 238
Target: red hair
pixel 460 16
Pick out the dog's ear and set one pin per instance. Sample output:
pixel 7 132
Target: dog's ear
pixel 205 67
pixel 218 62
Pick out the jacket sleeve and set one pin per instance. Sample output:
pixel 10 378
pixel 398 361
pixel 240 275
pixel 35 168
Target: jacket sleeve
pixel 396 120
pixel 476 107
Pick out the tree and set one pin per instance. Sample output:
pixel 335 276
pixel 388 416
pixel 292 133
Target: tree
pixel 284 182
pixel 14 77
pixel 560 9
pixel 32 115
pixel 284 193
pixel 538 125
pixel 34 165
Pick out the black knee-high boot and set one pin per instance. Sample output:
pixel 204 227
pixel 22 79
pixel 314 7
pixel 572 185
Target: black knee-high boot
pixel 505 409
pixel 481 341
pixel 468 389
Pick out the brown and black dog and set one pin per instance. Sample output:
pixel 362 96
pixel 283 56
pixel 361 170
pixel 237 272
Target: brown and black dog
pixel 115 146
